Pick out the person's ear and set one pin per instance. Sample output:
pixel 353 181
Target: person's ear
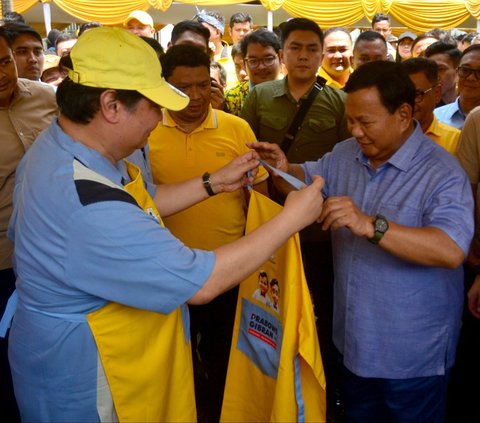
pixel 110 106
pixel 405 114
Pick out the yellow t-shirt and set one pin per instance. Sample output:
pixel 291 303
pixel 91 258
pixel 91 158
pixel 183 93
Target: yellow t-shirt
pixel 330 81
pixel 445 135
pixel 176 156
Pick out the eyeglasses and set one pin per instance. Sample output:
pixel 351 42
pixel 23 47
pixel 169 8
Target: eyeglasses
pixel 465 72
pixel 266 61
pixel 419 95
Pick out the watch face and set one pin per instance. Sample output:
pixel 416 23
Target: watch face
pixel 381 225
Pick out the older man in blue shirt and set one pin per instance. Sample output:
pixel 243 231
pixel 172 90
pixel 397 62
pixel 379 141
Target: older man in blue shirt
pixel 401 211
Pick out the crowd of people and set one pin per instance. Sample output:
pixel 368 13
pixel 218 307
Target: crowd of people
pixel 125 170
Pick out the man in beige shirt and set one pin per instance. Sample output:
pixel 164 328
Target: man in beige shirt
pixel 27 47
pixel 26 108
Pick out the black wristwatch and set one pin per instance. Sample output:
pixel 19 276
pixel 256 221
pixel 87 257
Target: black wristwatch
pixel 206 184
pixel 381 226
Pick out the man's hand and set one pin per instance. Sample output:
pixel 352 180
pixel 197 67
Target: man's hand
pixel 341 212
pixel 217 98
pixel 240 172
pixel 303 207
pixel 474 298
pixel 271 153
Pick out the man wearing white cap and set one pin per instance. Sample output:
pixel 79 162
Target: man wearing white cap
pixel 100 328
pixel 140 23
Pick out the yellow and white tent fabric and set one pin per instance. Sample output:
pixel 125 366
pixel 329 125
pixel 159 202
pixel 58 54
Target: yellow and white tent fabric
pixel 419 15
pixel 275 371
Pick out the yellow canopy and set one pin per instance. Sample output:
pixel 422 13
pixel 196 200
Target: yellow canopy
pixel 420 15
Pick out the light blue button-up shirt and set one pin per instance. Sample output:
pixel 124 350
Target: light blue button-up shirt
pixel 75 250
pixel 394 319
pixel 451 114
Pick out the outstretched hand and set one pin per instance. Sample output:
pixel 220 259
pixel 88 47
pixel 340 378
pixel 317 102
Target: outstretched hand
pixel 271 153
pixel 303 207
pixel 239 173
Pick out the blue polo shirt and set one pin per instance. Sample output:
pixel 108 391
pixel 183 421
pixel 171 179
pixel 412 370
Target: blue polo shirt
pixel 451 114
pixel 394 319
pixel 78 245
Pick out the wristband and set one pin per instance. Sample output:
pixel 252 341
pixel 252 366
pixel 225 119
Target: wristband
pixel 206 184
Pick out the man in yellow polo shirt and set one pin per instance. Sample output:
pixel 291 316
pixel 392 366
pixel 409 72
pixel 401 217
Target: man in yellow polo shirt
pixel 337 57
pixel 196 140
pixel 424 75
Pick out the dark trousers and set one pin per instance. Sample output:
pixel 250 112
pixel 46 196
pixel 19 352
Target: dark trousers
pixel 464 390
pixel 414 400
pixel 8 405
pixel 211 328
pixel 318 266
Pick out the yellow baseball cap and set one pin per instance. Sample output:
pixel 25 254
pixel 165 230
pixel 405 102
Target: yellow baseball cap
pixel 141 16
pixel 114 58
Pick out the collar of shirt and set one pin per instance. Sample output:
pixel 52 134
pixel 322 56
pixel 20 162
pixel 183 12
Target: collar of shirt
pixel 330 81
pixel 456 108
pixel 210 122
pixel 21 91
pixel 402 158
pixel 281 89
pixel 434 128
pixel 89 157
pixel 453 108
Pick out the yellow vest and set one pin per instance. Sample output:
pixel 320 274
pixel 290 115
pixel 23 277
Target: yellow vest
pixel 145 355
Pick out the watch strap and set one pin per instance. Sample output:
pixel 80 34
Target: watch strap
pixel 378 234
pixel 207 185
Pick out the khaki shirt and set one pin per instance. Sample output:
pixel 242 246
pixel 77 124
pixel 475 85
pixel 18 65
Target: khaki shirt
pixel 270 109
pixel 32 109
pixel 468 154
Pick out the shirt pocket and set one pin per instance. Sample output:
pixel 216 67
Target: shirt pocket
pixel 272 128
pixel 402 214
pixel 273 122
pixel 317 137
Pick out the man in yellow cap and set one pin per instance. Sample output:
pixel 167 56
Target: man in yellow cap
pixel 101 329
pixel 140 23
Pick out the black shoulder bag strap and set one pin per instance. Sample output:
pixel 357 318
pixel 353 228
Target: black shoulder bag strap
pixel 300 115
